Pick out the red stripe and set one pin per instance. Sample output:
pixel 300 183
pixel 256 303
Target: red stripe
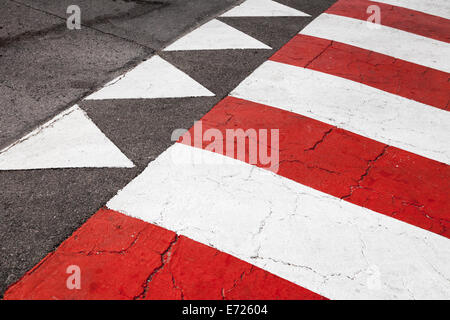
pixel 125 258
pixel 396 17
pixel 386 73
pixel 365 172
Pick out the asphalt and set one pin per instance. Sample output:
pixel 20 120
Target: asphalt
pixel 46 68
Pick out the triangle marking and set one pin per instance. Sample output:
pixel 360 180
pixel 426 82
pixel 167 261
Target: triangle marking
pixel 216 35
pixel 154 78
pixel 263 8
pixel 70 140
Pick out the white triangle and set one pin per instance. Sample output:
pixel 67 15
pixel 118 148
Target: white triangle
pixel 263 8
pixel 70 140
pixel 216 35
pixel 154 78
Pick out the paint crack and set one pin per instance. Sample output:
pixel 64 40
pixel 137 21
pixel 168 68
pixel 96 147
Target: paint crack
pixel 370 165
pixel 123 251
pixel 236 282
pixel 165 258
pixel 326 134
pixel 321 53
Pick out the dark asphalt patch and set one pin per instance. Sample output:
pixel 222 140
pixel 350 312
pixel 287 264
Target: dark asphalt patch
pixel 45 69
pixel 17 19
pixel 142 128
pixel 41 76
pixel 274 32
pixel 149 23
pixel 311 7
pixel 220 71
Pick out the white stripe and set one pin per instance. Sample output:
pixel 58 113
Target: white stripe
pixel 154 78
pixel 216 35
pixel 263 8
pixel 440 8
pixel 325 244
pixel 353 106
pixel 70 140
pixel 386 40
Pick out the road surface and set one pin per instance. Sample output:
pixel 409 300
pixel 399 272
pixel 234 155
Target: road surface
pixel 340 193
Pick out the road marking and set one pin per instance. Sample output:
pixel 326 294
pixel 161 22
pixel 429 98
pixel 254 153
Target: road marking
pixel 439 8
pixel 386 40
pixel 396 17
pixel 364 172
pixel 378 115
pixel 154 78
pixel 292 224
pixel 70 140
pixel 216 35
pixel 263 8
pixel 118 254
pixel 327 245
pixel 383 72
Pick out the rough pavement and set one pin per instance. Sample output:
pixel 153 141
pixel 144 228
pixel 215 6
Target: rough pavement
pixel 353 206
pixel 46 68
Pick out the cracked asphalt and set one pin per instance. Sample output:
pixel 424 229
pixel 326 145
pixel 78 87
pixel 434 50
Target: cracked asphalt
pixel 46 68
pixel 351 203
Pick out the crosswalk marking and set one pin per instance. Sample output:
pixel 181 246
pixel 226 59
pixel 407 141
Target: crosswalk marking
pixel 386 40
pixel 112 246
pixel 358 108
pixel 439 8
pixel 400 18
pixel 409 80
pixel 325 244
pixel 340 163
pixel 358 206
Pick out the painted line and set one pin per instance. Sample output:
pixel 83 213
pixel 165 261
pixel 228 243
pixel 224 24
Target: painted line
pixel 327 245
pixel 336 248
pixel 154 78
pixel 352 106
pixel 263 8
pixel 123 258
pixel 386 40
pixel 439 8
pixel 389 74
pixel 337 162
pixel 216 35
pixel 395 17
pixel 70 140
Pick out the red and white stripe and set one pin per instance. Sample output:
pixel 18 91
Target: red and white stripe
pixel 430 22
pixel 359 205
pixel 399 77
pixel 300 234
pixel 432 7
pixel 353 106
pixel 386 40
